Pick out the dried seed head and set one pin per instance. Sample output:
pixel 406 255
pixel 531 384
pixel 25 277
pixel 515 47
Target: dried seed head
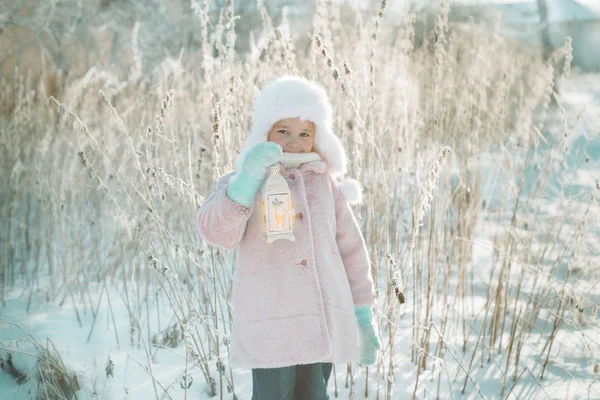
pixel 398 284
pixel 82 158
pixel 318 41
pixel 596 371
pixel 400 296
pixel 347 70
pixel 216 122
pixel 110 368
pixel 390 259
pixel 220 367
pixel 568 55
pixel 186 381
pixel 427 196
pixel 194 356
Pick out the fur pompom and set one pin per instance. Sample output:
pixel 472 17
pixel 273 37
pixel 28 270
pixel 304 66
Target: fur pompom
pixel 352 190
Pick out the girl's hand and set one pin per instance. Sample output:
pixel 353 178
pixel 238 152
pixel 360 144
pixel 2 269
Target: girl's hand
pixel 369 342
pixel 254 171
pixel 260 157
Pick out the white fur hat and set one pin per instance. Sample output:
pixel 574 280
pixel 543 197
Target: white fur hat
pixel 296 97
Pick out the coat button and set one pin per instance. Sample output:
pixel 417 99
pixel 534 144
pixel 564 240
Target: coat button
pixel 292 176
pixel 302 262
pixel 299 216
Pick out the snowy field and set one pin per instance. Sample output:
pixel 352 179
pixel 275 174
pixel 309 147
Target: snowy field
pixel 94 335
pixel 109 293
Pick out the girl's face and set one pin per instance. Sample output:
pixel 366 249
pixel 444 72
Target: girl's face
pixel 293 135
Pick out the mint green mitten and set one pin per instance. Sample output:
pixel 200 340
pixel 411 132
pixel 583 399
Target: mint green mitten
pixel 369 342
pixel 254 172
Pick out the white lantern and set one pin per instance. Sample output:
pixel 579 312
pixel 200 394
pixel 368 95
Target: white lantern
pixel 278 207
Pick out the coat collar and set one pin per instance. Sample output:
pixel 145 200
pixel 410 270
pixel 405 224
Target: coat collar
pixel 318 167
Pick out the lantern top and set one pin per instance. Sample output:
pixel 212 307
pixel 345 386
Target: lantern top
pixel 274 169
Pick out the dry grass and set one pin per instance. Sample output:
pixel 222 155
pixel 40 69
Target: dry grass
pixel 102 185
pixel 49 378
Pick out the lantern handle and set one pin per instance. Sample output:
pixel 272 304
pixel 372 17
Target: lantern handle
pixel 274 169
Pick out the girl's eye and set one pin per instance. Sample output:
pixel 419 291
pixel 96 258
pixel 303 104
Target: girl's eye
pixel 283 132
pixel 304 134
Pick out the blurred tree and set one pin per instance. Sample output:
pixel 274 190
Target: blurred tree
pixel 546 43
pixel 71 36
pixel 547 47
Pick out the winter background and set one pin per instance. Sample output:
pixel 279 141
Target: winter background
pixel 117 116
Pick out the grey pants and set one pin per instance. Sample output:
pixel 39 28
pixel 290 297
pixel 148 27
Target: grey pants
pixel 298 382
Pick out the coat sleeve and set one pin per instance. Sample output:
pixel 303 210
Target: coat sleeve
pixel 353 250
pixel 222 221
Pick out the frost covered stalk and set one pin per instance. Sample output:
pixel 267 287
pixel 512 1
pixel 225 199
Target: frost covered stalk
pixel 427 196
pixel 215 141
pixel 424 205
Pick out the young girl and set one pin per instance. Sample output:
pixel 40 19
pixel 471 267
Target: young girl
pixel 298 306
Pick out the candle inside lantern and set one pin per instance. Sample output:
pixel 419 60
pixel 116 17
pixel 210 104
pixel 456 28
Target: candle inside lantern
pixel 278 211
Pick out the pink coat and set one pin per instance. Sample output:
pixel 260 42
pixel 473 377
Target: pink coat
pixel 293 302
